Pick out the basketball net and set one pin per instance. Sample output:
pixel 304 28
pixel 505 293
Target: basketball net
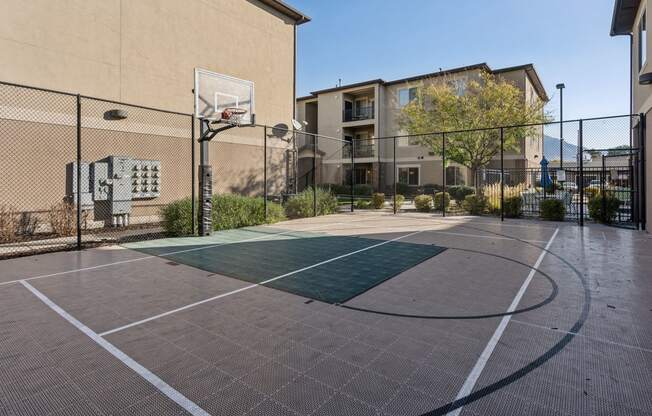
pixel 233 115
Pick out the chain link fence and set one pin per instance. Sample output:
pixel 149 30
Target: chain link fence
pixel 79 171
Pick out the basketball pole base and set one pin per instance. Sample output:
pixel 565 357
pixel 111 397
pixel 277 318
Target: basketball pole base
pixel 206 195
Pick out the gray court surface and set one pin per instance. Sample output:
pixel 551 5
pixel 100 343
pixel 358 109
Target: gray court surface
pixel 514 318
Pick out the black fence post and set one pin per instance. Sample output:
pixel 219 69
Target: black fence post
pixel 581 162
pixel 502 174
pixel 603 179
pixel 394 169
pixel 265 170
pixel 78 173
pixel 193 202
pixel 352 173
pixel 443 174
pixel 642 181
pixel 314 176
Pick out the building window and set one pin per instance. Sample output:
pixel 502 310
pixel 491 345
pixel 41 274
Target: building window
pixel 642 40
pixel 454 176
pixel 459 86
pixel 406 96
pixel 408 175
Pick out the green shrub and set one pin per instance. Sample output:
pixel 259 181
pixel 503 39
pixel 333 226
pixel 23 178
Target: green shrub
pixel 228 211
pixel 345 189
pixel 512 206
pixel 177 217
pixel 423 203
pixel 591 192
pixel 553 209
pixel 438 200
pixel 400 199
pixel 429 188
pixel 301 205
pixel 604 208
pixel 459 192
pixel 377 200
pixel 474 204
pixel 362 204
pixel 404 189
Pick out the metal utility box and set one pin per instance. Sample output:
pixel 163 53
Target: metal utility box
pixel 71 185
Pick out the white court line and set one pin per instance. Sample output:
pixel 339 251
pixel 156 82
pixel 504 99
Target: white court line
pixel 242 289
pixel 469 384
pixel 606 341
pixel 154 380
pixel 115 263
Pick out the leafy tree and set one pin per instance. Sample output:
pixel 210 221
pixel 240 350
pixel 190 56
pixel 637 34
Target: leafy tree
pixel 488 102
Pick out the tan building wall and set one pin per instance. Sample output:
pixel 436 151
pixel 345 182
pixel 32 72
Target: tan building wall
pixel 142 52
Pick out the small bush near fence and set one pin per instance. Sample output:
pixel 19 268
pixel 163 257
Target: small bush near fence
pixel 439 196
pixel 400 199
pixel 459 192
pixel 492 195
pixel 362 204
pixel 552 209
pixel 229 211
pixel 512 206
pixel 591 192
pixel 377 200
pixel 604 208
pixel 301 205
pixel 63 219
pixel 423 203
pixel 9 223
pixel 358 190
pixel 474 204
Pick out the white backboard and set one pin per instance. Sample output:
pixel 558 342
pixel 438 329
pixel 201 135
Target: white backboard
pixel 214 92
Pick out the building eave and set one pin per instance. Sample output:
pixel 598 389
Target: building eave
pixel 624 14
pixel 532 73
pixel 282 7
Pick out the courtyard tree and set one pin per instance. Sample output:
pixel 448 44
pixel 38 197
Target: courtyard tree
pixel 442 106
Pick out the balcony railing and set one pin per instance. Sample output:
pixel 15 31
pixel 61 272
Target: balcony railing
pixel 361 150
pixel 359 113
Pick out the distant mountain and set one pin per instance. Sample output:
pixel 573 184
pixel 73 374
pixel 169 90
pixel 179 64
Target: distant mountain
pixel 551 149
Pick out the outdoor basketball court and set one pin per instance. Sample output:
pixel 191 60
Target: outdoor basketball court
pixel 348 314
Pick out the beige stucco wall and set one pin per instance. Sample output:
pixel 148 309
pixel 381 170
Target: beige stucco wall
pixel 144 51
pixel 642 94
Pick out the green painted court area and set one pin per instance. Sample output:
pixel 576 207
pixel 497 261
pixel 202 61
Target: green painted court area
pixel 327 268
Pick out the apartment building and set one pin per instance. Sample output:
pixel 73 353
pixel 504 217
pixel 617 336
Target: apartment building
pixel 630 19
pixel 366 111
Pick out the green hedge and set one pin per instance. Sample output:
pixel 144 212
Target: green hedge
pixel 553 209
pixel 400 199
pixel 474 204
pixel 423 203
pixel 301 205
pixel 229 211
pixel 438 200
pixel 512 206
pixel 377 201
pixel 345 189
pixel 604 208
pixel 459 192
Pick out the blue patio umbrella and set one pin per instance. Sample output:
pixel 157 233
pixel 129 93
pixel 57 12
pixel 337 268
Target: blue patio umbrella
pixel 546 182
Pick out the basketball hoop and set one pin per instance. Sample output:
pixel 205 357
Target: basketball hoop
pixel 233 115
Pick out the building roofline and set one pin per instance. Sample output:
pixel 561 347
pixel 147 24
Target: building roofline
pixel 346 87
pixel 528 68
pixel 623 17
pixel 307 97
pixel 280 6
pixel 482 66
pixel 532 73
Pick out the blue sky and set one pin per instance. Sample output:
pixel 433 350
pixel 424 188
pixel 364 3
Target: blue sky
pixel 567 41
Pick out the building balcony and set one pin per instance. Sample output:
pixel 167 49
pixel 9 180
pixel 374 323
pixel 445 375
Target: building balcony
pixel 361 151
pixel 359 113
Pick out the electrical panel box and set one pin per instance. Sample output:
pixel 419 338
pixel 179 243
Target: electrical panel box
pixel 71 184
pixel 100 181
pixel 110 185
pixel 146 179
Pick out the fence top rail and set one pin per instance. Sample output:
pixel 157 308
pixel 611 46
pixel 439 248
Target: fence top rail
pixel 514 126
pixel 297 132
pixel 70 94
